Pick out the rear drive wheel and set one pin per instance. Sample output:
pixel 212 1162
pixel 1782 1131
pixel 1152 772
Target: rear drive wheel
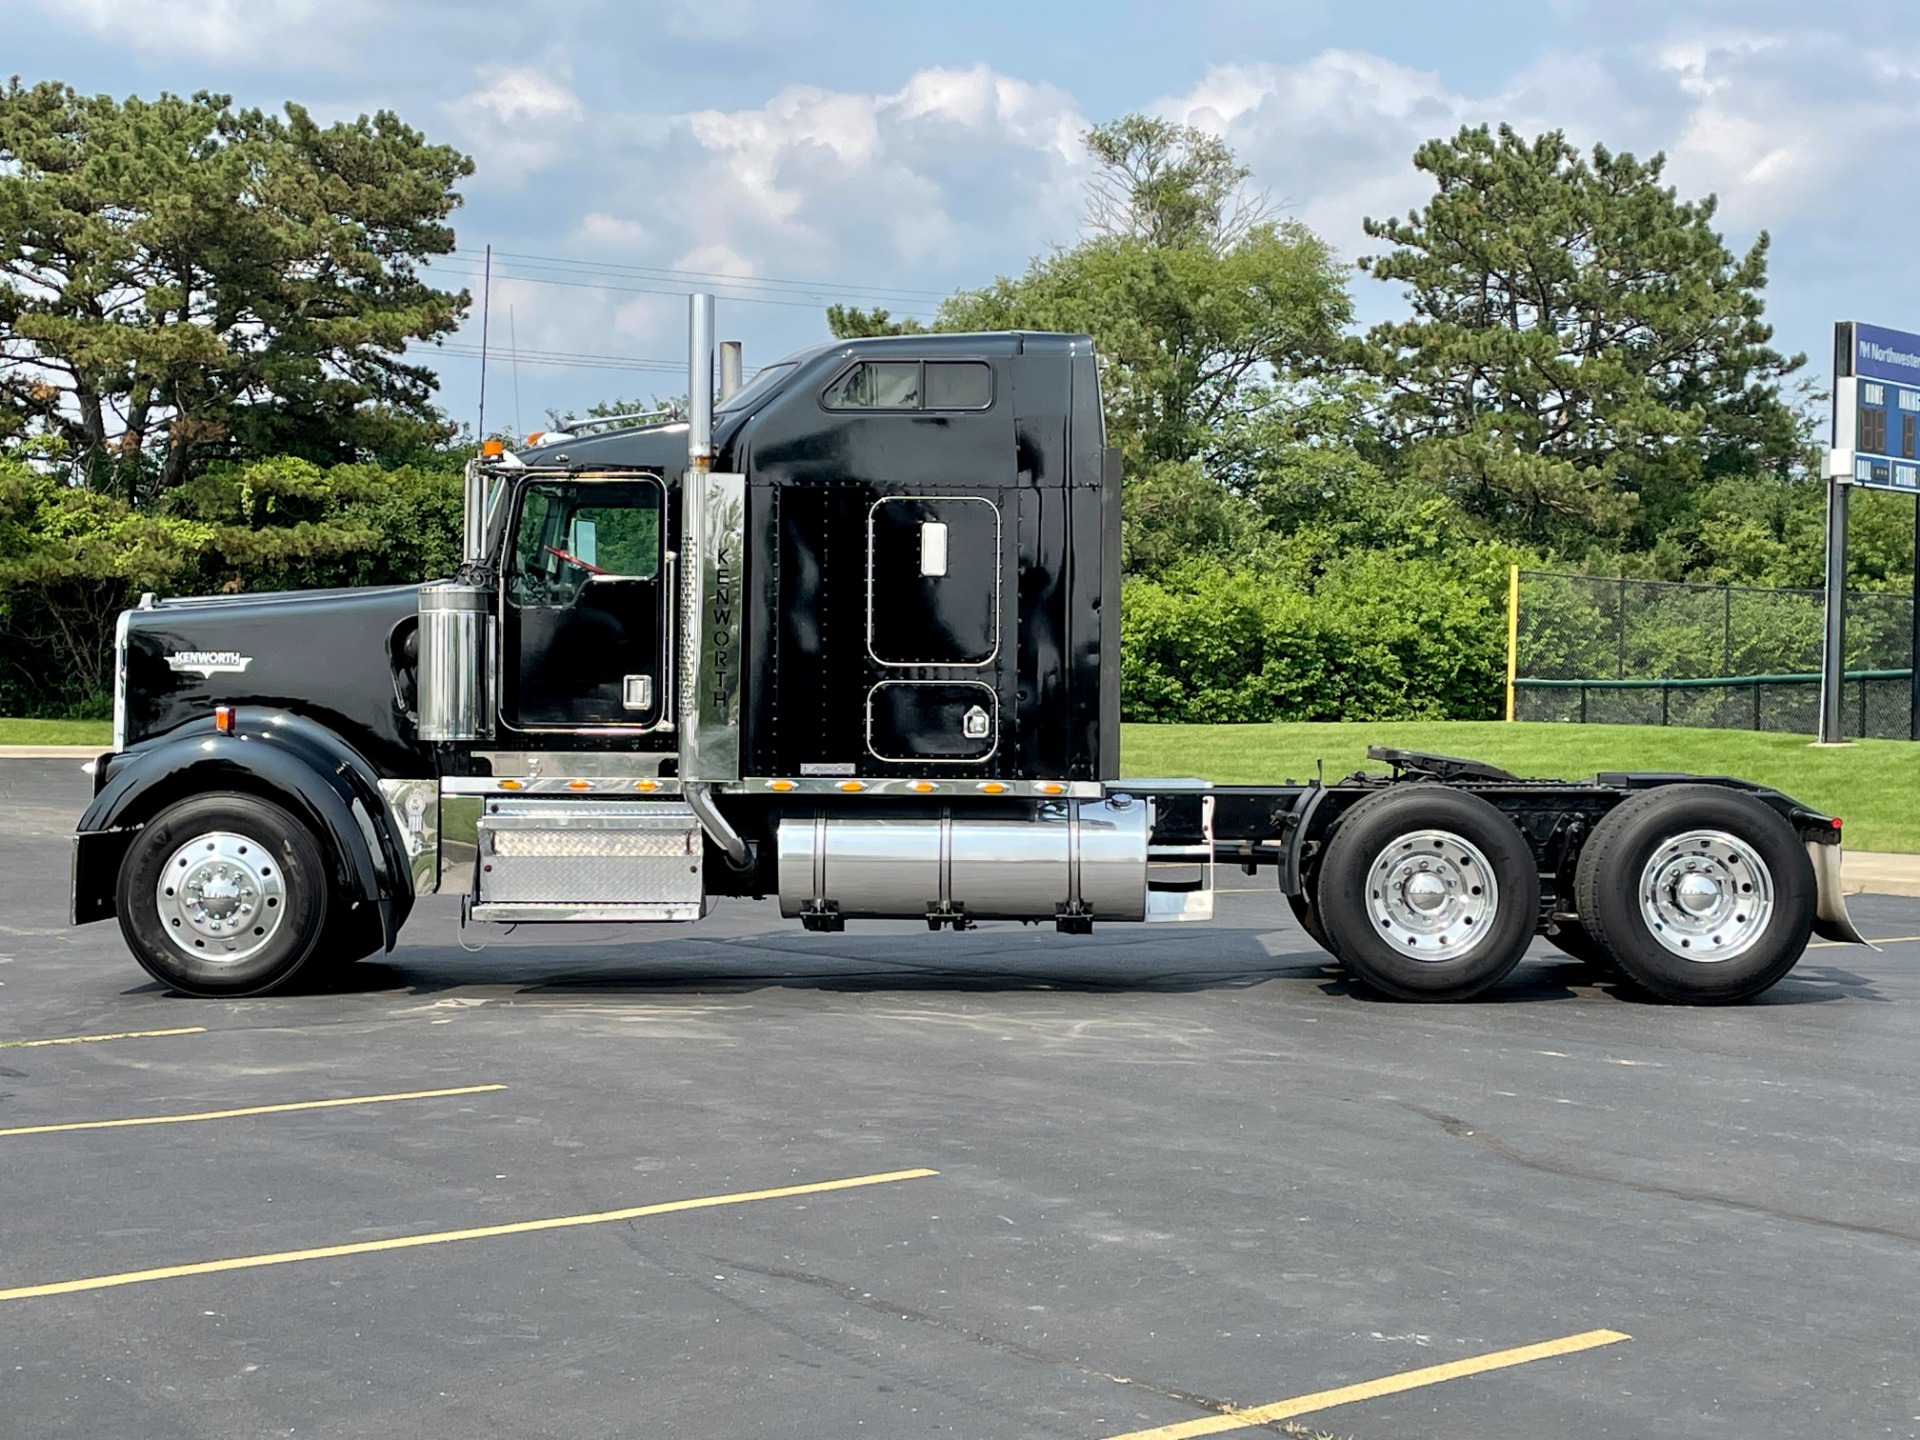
pixel 1700 894
pixel 1428 893
pixel 223 895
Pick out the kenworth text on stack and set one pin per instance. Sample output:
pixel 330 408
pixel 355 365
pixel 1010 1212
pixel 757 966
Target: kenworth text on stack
pixel 849 636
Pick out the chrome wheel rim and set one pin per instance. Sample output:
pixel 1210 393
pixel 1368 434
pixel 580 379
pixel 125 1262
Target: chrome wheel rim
pixel 221 897
pixel 1431 895
pixel 1706 895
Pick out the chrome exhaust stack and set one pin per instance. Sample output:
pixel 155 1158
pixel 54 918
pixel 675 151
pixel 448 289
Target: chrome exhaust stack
pixel 713 539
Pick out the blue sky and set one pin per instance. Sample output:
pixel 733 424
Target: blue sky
pixel 893 152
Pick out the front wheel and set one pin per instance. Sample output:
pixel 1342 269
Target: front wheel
pixel 1700 894
pixel 1428 893
pixel 223 895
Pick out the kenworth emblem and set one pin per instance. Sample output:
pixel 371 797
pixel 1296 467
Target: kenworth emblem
pixel 208 663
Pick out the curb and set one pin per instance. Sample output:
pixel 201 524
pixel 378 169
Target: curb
pixel 54 752
pixel 1866 873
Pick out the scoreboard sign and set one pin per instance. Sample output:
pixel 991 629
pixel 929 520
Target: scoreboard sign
pixel 1876 406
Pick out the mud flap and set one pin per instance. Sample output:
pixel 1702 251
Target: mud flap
pixel 1831 921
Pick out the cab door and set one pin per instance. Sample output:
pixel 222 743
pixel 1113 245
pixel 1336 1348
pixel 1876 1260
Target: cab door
pixel 584 609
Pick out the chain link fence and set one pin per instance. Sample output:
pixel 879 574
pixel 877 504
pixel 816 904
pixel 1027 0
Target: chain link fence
pixel 1606 651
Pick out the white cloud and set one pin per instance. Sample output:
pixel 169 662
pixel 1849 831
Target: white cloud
pixel 253 30
pixel 1779 125
pixel 517 120
pixel 1330 137
pixel 948 170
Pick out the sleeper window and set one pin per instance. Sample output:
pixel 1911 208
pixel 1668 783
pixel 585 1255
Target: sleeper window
pixel 913 385
pixel 877 385
pixel 959 385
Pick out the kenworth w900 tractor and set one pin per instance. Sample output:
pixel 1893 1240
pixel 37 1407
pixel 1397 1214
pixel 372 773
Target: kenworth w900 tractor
pixel 849 636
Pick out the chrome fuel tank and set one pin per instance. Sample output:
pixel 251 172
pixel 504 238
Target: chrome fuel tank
pixel 1082 857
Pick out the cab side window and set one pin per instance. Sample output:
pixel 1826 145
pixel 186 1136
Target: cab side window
pixel 912 385
pixel 569 532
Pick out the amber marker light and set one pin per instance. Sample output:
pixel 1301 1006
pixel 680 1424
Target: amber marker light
pixel 223 719
pixel 646 785
pixel 992 787
pixel 850 786
pixel 1052 788
pixel 781 785
pixel 921 787
pixel 579 785
pixel 510 785
pixel 493 449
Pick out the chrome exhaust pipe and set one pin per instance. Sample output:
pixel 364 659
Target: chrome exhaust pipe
pixel 710 546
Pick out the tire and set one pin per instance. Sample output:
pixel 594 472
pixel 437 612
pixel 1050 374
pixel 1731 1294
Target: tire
pixel 250 904
pixel 1307 915
pixel 1426 866
pixel 1746 919
pixel 350 937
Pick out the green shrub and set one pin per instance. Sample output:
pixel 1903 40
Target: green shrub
pixel 1371 637
pixel 72 559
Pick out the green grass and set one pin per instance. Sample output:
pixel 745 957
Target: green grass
pixel 1874 785
pixel 56 732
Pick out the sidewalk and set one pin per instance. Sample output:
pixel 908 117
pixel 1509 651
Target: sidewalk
pixel 1868 874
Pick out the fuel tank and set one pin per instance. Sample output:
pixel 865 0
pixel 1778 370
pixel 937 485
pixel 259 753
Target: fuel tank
pixel 1076 857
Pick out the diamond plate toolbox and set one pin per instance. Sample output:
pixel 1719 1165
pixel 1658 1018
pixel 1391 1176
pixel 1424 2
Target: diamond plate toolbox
pixel 590 853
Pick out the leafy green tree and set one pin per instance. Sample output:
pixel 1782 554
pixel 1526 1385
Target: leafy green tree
pixel 1169 185
pixel 850 322
pixel 1584 353
pixel 181 281
pixel 654 407
pixel 72 558
pixel 1204 312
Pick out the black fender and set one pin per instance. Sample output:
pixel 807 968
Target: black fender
pixel 1296 830
pixel 285 758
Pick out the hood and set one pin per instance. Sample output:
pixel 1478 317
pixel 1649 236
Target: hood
pixel 342 657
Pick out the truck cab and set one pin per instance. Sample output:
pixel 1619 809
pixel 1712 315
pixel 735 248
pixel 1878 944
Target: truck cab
pixel 857 646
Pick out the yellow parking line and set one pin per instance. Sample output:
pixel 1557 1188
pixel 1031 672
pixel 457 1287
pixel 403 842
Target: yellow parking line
pixel 90 1039
pixel 1884 940
pixel 448 1237
pixel 1373 1389
pixel 248 1110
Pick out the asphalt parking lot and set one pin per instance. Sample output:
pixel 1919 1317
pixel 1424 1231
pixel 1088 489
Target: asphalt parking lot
pixel 1162 1181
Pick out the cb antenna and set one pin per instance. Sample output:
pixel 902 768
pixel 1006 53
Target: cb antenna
pixel 486 307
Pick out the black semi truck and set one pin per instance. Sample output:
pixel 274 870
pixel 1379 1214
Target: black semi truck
pixel 848 636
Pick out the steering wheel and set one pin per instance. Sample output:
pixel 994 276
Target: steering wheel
pixel 573 559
